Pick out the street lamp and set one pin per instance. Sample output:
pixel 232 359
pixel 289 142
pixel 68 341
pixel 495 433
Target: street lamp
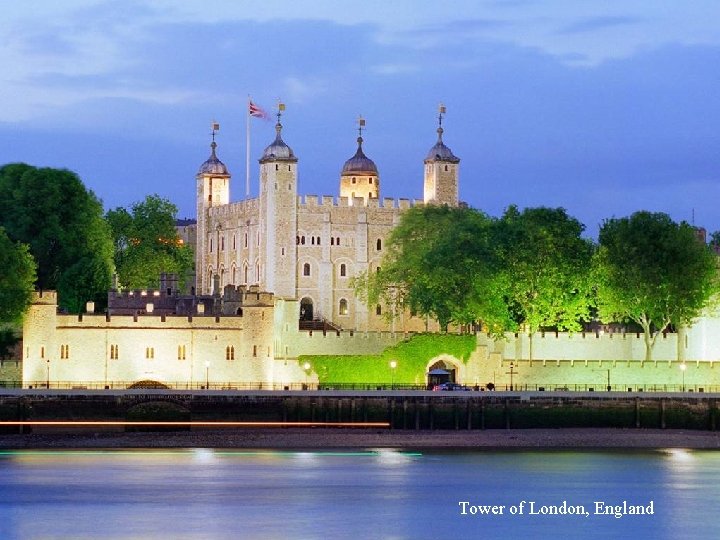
pixel 393 365
pixel 48 373
pixel 683 367
pixel 306 367
pixel 511 373
pixel 207 374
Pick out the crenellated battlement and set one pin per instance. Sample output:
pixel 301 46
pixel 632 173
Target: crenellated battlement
pixel 239 208
pixel 311 202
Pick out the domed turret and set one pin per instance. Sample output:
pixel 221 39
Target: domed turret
pixel 359 163
pixel 278 150
pixel 440 152
pixel 359 177
pixel 213 165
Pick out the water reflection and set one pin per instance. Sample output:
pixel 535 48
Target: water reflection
pixel 379 493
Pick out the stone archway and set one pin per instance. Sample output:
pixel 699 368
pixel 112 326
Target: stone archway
pixel 306 309
pixel 443 368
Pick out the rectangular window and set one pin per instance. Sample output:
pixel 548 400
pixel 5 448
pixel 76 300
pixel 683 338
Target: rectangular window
pixel 113 352
pixel 149 353
pixel 181 352
pixel 64 352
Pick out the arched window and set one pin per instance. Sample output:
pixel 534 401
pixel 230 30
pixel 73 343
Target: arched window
pixel 343 270
pixel 378 244
pixel 306 269
pixel 378 310
pixel 245 274
pixel 343 307
pixel 211 246
pixel 332 241
pixel 245 239
pixel 234 242
pixel 257 272
pixel 222 243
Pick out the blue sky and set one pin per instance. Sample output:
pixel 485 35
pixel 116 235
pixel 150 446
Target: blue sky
pixel 603 108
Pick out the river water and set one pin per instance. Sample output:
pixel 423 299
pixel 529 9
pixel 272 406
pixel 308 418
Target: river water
pixel 207 494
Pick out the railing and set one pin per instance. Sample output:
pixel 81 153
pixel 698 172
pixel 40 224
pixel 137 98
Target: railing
pixel 299 386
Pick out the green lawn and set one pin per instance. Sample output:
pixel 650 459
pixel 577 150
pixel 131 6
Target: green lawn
pixel 412 357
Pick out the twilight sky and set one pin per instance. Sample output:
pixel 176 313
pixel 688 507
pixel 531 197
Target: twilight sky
pixel 603 108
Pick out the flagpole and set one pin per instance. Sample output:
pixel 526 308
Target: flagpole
pixel 247 149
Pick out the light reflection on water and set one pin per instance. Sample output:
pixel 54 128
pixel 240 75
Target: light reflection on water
pixel 379 493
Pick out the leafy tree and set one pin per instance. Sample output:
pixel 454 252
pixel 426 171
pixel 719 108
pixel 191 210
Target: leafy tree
pixel 434 265
pixel 61 221
pixel 546 264
pixel 654 272
pixel 146 243
pixel 17 279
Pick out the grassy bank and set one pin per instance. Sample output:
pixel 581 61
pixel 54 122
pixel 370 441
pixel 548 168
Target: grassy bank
pixel 412 357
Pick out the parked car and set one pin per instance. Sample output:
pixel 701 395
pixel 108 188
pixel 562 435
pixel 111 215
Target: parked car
pixel 450 387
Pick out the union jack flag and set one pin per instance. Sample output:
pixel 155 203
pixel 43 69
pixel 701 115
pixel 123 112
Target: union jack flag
pixel 257 111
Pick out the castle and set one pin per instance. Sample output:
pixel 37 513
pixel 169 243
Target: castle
pixel 309 248
pixel 269 268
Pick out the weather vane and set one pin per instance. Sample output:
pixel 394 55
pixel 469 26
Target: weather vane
pixel 361 125
pixel 281 108
pixel 441 110
pixel 215 128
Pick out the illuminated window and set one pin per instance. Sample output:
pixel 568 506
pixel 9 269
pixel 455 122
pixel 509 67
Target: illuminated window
pixel 343 308
pixel 150 353
pixel 114 352
pixel 181 352
pixel 64 352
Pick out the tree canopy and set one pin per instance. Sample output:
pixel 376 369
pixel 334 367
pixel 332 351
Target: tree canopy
pixel 545 263
pixel 146 243
pixel 457 265
pixel 652 271
pixel 62 222
pixel 17 278
pixel 430 257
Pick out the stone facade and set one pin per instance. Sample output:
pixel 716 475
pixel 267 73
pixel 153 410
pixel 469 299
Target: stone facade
pixel 309 248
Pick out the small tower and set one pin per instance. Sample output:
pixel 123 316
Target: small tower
pixel 278 215
pixel 359 176
pixel 213 189
pixel 441 171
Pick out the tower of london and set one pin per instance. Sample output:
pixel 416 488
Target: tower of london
pixel 306 248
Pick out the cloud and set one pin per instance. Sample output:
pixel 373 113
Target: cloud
pixel 595 24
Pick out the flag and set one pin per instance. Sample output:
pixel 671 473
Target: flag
pixel 257 111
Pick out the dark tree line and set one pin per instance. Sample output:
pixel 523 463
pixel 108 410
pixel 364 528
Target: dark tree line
pixel 54 235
